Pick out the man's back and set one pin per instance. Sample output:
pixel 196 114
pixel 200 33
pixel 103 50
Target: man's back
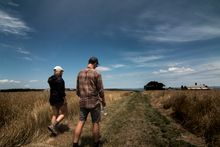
pixel 89 87
pixel 90 90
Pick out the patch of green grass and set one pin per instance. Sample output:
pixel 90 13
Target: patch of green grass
pixel 136 123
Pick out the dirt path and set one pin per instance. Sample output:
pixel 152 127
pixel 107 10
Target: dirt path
pixel 131 121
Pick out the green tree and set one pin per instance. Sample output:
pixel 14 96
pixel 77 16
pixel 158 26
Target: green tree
pixel 154 85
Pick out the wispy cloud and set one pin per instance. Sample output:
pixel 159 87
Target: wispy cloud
pixel 12 25
pixel 146 58
pixel 4 45
pixel 183 33
pixel 23 51
pixel 118 65
pixel 26 86
pixel 27 58
pixel 34 81
pixel 180 69
pixel 28 55
pixel 178 27
pixel 6 81
pixel 103 68
pixel 143 59
pixel 13 4
pixel 110 68
pixel 175 70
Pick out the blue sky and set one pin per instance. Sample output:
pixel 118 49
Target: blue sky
pixel 174 42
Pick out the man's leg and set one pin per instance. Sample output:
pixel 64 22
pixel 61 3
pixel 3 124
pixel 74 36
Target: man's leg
pixel 96 132
pixel 96 118
pixel 78 131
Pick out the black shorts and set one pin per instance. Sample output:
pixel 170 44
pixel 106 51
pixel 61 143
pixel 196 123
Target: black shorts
pixel 56 102
pixel 58 105
pixel 94 112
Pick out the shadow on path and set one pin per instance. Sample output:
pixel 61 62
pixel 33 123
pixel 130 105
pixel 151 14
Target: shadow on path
pixel 88 141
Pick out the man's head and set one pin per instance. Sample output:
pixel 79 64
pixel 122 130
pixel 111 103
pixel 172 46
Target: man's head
pixel 58 71
pixel 94 62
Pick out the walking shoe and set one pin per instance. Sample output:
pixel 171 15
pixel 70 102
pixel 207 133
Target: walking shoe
pixel 97 144
pixel 52 129
pixel 75 145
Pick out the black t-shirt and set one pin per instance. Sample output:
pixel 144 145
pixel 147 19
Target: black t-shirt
pixel 57 90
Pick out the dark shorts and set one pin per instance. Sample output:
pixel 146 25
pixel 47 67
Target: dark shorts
pixel 58 105
pixel 94 112
pixel 56 102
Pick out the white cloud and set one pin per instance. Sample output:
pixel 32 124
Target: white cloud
pixel 108 76
pixel 180 69
pixel 163 71
pixel 144 59
pixel 103 68
pixel 12 25
pixel 118 65
pixel 22 51
pixel 183 33
pixel 13 4
pixel 175 70
pixel 34 81
pixel 6 81
pixel 27 58
pixel 26 86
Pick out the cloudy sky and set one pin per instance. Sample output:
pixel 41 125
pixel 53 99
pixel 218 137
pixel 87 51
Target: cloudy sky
pixel 174 42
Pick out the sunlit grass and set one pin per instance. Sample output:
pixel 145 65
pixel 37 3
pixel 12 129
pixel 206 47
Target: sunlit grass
pixel 196 110
pixel 24 116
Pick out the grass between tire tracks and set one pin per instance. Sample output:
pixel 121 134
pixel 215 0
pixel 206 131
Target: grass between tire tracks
pixel 136 123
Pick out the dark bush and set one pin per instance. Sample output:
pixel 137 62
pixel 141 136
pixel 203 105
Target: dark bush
pixel 154 85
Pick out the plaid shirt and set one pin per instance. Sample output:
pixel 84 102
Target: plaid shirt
pixel 89 88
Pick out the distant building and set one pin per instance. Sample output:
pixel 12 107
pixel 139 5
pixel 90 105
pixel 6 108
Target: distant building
pixel 198 87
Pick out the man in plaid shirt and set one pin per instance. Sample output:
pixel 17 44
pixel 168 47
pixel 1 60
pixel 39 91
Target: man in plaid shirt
pixel 91 93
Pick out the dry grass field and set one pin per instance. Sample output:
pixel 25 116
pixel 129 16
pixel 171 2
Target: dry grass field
pixel 24 116
pixel 196 110
pixel 150 118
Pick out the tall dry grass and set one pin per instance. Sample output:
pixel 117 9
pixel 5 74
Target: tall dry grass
pixel 198 111
pixel 24 116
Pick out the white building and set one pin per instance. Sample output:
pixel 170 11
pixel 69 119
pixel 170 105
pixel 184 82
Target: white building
pixel 198 87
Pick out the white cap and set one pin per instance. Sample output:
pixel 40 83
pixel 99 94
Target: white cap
pixel 58 68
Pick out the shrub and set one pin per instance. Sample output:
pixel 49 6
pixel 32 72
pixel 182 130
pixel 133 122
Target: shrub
pixel 154 85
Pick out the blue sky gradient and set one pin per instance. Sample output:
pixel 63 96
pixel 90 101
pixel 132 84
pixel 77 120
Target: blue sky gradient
pixel 174 42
